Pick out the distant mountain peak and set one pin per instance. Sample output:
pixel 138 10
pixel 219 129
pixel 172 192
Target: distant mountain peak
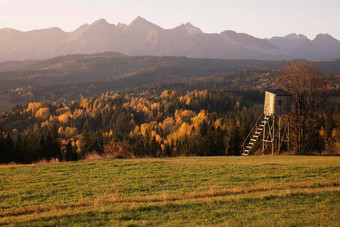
pixel 229 32
pixel 139 20
pixel 141 23
pixel 56 29
pixel 191 29
pixel 325 36
pixel 101 21
pixel 294 36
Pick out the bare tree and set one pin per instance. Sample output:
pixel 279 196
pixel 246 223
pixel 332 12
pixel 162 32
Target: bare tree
pixel 308 88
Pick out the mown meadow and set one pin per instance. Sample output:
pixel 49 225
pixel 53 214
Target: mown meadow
pixel 257 190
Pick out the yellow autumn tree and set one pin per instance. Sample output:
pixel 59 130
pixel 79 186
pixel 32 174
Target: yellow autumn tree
pixel 63 118
pixel 198 120
pixel 34 106
pixel 43 113
pixel 184 129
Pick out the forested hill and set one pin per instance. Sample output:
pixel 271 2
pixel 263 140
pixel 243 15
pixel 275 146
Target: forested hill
pixel 109 66
pixel 67 78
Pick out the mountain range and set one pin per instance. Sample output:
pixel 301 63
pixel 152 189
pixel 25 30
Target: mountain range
pixel 141 37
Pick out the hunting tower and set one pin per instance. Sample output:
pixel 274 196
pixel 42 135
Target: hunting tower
pixel 277 106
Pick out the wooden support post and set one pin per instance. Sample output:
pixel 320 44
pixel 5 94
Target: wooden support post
pixel 279 143
pixel 263 138
pixel 288 139
pixel 273 135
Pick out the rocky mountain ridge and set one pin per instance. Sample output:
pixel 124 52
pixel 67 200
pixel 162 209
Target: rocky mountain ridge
pixel 142 37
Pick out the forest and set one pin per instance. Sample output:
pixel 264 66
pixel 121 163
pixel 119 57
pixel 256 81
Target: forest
pixel 175 123
pixel 207 116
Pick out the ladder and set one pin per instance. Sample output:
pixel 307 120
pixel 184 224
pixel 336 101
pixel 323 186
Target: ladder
pixel 256 131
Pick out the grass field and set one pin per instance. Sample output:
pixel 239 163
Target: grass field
pixel 261 191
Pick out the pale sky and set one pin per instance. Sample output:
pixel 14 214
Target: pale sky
pixel 260 18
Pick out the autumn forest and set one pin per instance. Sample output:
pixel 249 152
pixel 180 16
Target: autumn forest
pixel 205 116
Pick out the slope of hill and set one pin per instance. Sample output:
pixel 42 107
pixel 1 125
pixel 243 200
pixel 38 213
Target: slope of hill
pixel 142 37
pixel 111 66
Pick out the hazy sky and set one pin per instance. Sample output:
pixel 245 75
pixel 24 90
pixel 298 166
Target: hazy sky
pixel 260 18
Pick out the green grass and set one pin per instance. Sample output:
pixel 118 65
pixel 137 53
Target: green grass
pixel 284 190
